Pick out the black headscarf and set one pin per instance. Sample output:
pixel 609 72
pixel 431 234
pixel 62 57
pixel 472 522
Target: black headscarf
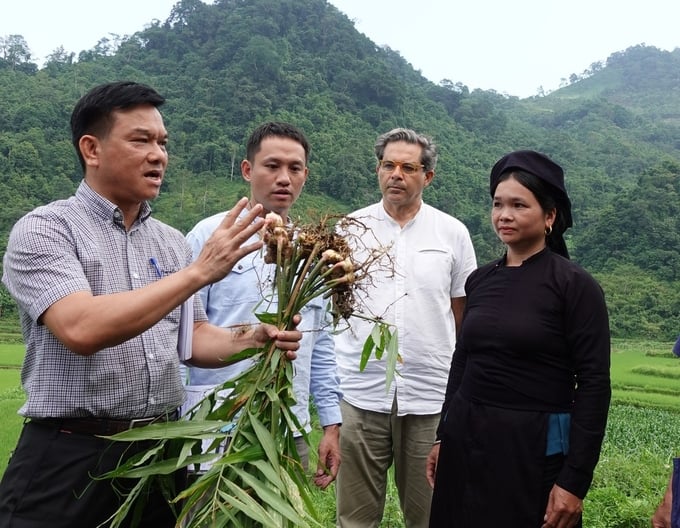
pixel 549 172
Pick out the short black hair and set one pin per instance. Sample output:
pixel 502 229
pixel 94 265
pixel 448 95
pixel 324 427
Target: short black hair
pixel 275 129
pixel 92 113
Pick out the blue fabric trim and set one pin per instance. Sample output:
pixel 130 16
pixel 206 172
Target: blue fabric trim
pixel 675 487
pixel 559 425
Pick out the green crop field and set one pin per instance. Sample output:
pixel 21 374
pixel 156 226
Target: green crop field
pixel 643 434
pixel 11 398
pixel 645 374
pixel 11 355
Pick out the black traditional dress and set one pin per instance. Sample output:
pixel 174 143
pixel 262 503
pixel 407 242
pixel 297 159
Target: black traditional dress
pixel 534 343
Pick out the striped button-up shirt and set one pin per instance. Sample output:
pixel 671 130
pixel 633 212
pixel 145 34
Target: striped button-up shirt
pixel 81 244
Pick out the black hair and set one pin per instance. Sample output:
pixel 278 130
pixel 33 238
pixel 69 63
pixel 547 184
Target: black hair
pixel 276 129
pixel 92 113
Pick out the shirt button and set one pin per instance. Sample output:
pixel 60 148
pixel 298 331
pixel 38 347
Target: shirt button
pixel 152 400
pixel 150 356
pixel 135 275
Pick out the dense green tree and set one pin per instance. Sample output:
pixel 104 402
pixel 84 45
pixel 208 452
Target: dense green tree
pixel 640 305
pixel 640 227
pixel 15 54
pixel 227 66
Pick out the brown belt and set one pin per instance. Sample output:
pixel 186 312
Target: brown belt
pixel 101 426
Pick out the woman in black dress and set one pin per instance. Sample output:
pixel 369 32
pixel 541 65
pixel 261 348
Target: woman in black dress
pixel 529 389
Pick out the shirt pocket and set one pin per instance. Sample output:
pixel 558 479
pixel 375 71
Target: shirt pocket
pixel 246 284
pixel 313 314
pixel 432 267
pixel 431 257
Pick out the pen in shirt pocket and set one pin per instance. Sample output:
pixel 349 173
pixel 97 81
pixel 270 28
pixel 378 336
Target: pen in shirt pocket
pixel 155 265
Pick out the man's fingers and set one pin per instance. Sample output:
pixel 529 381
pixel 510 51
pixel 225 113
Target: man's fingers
pixel 247 227
pixel 233 215
pixel 254 212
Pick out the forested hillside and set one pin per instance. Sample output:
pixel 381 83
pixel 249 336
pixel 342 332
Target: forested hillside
pixel 226 67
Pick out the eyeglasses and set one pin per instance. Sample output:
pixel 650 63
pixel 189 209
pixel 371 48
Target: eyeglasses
pixel 406 168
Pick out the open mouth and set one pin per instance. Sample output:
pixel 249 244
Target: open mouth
pixel 154 175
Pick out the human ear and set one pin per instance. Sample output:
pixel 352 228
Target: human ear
pixel 89 149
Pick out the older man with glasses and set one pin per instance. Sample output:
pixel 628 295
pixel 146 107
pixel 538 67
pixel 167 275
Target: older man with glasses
pixel 423 297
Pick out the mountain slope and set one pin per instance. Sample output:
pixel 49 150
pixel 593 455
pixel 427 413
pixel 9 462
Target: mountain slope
pixel 227 67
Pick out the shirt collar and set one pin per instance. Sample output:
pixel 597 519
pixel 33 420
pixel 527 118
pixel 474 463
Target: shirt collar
pixel 384 214
pixel 536 256
pixel 105 208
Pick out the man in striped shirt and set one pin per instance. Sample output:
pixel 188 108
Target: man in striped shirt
pixel 99 284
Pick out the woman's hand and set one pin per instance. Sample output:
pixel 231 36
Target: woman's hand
pixel 564 509
pixel 431 464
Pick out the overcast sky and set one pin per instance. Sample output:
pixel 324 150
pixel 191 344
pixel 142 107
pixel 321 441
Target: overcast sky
pixel 511 46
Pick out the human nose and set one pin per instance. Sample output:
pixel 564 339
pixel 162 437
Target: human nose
pixel 500 212
pixel 283 177
pixel 158 152
pixel 503 213
pixel 397 173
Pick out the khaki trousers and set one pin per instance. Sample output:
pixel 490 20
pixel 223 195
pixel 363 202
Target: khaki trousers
pixel 370 442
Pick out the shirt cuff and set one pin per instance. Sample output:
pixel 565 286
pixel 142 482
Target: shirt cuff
pixel 329 415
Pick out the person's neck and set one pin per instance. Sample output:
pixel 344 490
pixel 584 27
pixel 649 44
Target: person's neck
pixel 516 256
pixel 402 215
pixel 129 218
pixel 129 210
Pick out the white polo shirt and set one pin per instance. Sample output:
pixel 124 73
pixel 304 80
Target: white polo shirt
pixel 432 256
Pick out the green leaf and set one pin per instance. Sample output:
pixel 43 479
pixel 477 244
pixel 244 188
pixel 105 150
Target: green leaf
pixel 392 357
pixel 266 440
pixel 141 458
pixel 292 421
pixel 167 430
pixel 292 491
pixel 270 497
pixel 366 352
pixel 377 336
pixel 200 410
pixel 268 318
pixel 245 503
pixel 270 473
pixel 159 467
pixel 384 331
pixel 273 396
pixel 246 455
pixel 378 339
pixel 130 501
pixel 187 450
pixel 275 361
pixel 243 354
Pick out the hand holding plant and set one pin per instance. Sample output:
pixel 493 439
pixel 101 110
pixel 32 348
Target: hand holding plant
pixel 251 474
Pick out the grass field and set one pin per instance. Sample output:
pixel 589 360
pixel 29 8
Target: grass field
pixel 643 434
pixel 645 374
pixel 11 398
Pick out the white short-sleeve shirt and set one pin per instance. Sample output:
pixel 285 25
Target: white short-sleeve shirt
pixel 432 255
